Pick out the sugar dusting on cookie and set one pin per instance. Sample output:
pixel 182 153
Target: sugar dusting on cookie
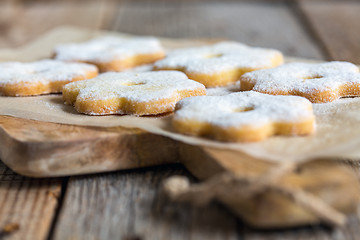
pixel 220 57
pixel 44 71
pixel 152 90
pixel 108 48
pixel 144 86
pixel 306 79
pixel 244 109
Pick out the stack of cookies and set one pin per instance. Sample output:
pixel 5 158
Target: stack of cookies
pixel 99 77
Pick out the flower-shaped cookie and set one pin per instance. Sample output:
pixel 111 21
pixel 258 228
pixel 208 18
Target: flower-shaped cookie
pixel 144 93
pixel 244 116
pixel 113 53
pixel 219 64
pixel 318 82
pixel 41 77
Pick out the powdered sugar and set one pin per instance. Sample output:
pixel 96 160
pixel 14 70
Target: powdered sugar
pixel 304 77
pixel 105 49
pixel 218 57
pixel 42 71
pixel 139 87
pixel 244 109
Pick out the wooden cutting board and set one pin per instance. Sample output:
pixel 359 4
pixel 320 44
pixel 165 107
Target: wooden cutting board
pixel 44 149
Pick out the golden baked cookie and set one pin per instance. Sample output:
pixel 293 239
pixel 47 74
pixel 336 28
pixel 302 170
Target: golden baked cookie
pixel 244 116
pixel 41 77
pixel 144 93
pixel 219 64
pixel 113 53
pixel 318 82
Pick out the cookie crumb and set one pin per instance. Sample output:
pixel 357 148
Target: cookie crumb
pixel 55 193
pixel 10 228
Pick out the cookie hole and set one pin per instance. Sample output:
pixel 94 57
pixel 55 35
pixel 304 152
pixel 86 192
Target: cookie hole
pixel 38 71
pixel 311 77
pixel 132 83
pixel 214 55
pixel 246 109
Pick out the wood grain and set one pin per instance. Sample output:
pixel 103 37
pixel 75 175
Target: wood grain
pixel 128 205
pixel 336 25
pixel 27 206
pixel 21 23
pixel 274 25
pixel 41 149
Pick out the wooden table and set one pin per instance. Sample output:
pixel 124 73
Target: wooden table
pixel 126 204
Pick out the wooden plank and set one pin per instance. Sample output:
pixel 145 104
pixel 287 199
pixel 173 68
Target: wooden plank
pixel 259 24
pixel 21 23
pixel 27 206
pixel 336 25
pixel 128 205
pixel 8 11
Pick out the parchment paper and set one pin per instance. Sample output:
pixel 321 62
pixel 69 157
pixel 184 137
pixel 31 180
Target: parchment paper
pixel 338 123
